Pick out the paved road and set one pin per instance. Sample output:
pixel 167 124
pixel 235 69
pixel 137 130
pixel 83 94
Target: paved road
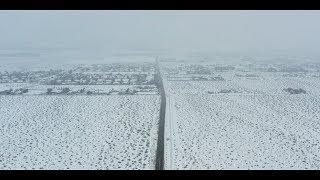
pixel 160 146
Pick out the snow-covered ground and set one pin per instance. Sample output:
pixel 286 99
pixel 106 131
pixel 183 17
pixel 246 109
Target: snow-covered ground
pixel 268 85
pixel 78 132
pixel 245 121
pixel 42 89
pixel 259 127
pixel 243 132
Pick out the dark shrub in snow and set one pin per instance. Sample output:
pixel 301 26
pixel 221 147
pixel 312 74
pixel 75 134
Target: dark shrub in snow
pixel 49 91
pixel 65 90
pixel 295 91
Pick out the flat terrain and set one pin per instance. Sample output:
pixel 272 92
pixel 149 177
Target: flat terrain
pixel 245 121
pixel 78 132
pixel 238 113
pixel 244 132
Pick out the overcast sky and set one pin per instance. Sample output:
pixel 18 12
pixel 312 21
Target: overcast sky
pixel 175 30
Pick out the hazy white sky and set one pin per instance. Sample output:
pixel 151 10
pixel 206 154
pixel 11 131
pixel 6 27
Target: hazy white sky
pixel 207 30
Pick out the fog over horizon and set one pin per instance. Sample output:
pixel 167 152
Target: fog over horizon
pixel 212 31
pixel 159 90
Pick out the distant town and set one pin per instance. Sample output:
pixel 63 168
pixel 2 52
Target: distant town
pixel 84 79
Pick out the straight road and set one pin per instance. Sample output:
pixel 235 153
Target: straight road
pixel 160 146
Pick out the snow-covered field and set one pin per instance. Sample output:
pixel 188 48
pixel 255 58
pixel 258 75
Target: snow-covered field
pixel 78 132
pixel 261 126
pixel 42 89
pixel 6 86
pixel 243 132
pixel 274 85
pixel 245 120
